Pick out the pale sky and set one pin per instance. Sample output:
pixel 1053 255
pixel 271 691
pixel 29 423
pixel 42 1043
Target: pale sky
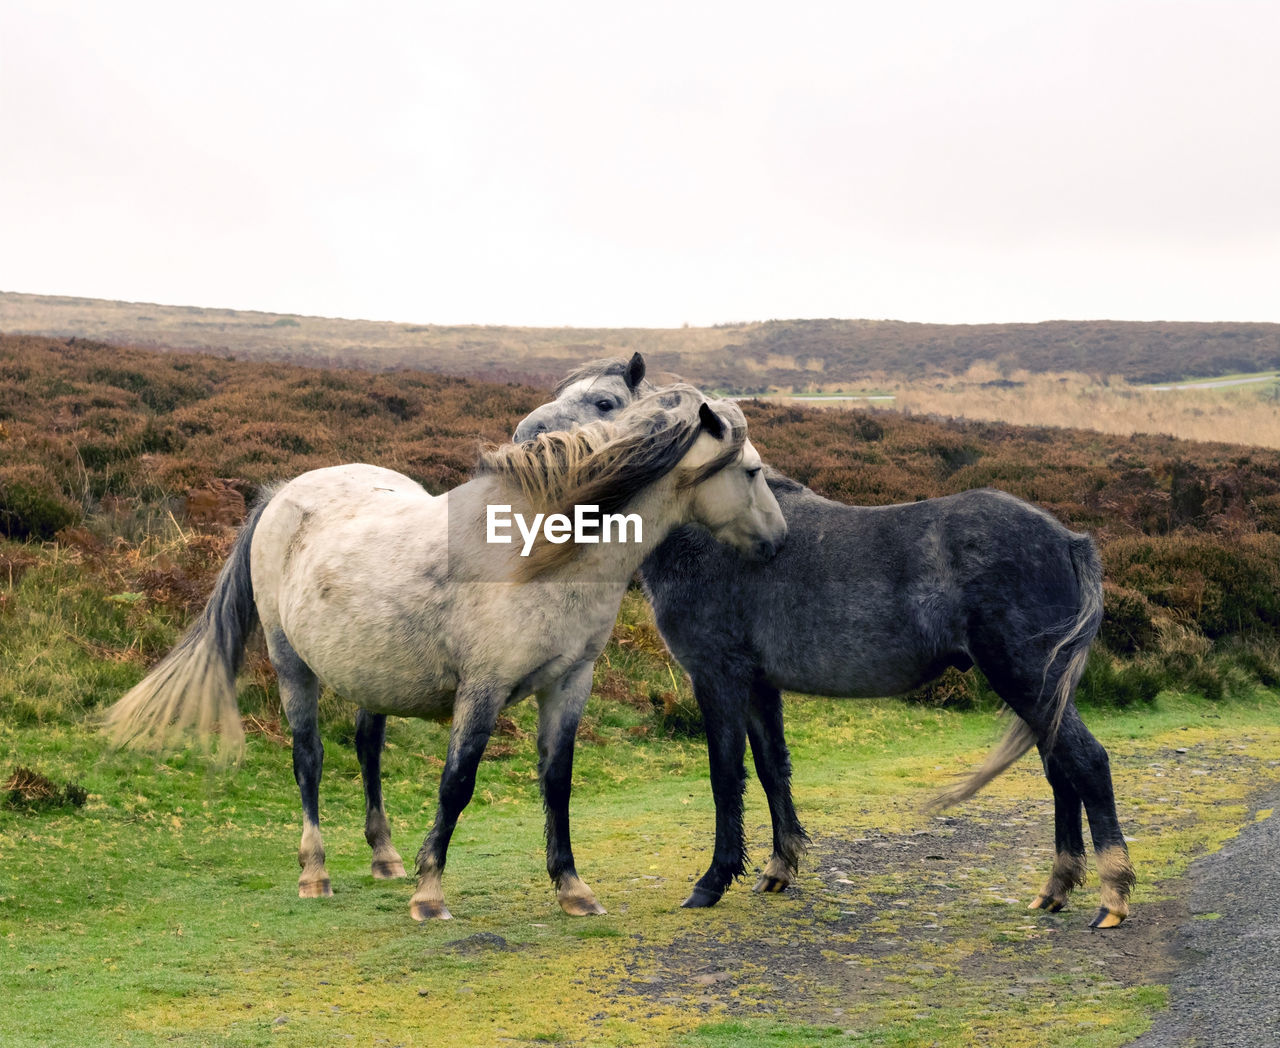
pixel 556 162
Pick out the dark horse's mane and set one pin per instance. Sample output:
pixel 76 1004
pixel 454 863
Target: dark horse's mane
pixel 780 481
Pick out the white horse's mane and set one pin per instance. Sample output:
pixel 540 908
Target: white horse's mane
pixel 607 464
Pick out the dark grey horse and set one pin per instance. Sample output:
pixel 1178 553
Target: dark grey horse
pixel 869 601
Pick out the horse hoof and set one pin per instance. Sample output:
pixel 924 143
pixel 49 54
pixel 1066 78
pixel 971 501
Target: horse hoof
pixel 771 885
pixel 315 889
pixel 429 910
pixel 1107 918
pixel 1047 903
pixel 582 907
pixel 701 898
pixel 386 871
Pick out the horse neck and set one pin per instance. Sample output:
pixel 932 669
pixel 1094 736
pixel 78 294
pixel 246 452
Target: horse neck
pixel 662 509
pixel 660 506
pixel 685 545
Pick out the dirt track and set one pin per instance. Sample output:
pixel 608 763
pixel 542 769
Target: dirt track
pixel 907 924
pixel 927 902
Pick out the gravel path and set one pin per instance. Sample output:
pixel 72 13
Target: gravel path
pixel 1225 992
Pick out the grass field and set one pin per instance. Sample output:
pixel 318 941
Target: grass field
pixel 163 909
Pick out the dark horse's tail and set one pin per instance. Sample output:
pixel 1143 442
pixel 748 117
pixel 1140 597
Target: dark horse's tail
pixel 193 688
pixel 1074 648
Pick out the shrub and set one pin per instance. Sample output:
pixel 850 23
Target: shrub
pixel 955 690
pixel 32 504
pixel 1205 679
pixel 30 790
pixel 1260 661
pixel 1108 682
pixel 677 714
pixel 1225 585
pixel 1128 621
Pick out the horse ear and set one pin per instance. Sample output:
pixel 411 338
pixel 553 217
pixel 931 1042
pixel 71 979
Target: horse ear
pixel 635 371
pixel 711 422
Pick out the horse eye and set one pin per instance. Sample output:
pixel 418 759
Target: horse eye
pixel 604 405
pixel 753 473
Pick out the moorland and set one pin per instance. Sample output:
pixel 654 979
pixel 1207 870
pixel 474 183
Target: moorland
pixel 149 900
pixel 99 440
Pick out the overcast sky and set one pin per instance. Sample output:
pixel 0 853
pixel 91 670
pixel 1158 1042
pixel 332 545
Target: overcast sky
pixel 555 162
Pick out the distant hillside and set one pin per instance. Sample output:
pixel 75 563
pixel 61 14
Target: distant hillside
pixel 1138 352
pixel 744 358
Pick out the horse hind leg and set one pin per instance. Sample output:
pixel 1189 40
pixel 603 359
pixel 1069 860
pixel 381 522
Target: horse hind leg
pixel 1090 772
pixel 300 696
pixel 371 733
pixel 559 710
pixel 772 762
pixel 1118 877
pixel 1081 765
pixel 1069 864
pixel 1079 771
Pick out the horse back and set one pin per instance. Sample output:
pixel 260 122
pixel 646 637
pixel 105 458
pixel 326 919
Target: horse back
pixel 869 600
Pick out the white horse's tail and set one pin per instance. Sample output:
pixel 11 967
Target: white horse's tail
pixel 193 688
pixel 1074 645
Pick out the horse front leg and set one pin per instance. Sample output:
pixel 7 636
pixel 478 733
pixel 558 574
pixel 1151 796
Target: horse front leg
pixel 723 702
pixel 475 712
pixel 772 762
pixel 371 734
pixel 559 710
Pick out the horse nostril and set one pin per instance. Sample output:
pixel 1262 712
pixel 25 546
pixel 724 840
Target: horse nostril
pixel 524 432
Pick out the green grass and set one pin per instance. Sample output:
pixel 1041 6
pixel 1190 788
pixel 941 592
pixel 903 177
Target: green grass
pixel 766 1035
pixel 163 910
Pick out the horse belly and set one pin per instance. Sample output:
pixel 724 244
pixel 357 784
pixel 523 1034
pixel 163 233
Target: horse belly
pixel 873 680
pixel 377 648
pixel 384 671
pixel 351 574
pixel 853 659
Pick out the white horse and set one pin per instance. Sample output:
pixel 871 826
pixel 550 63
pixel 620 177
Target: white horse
pixel 405 604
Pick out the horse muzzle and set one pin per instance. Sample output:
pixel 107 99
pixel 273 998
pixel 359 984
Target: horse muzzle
pixel 542 420
pixel 763 550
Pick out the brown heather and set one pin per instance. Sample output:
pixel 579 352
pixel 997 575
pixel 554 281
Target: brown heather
pixel 100 445
pixel 88 426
